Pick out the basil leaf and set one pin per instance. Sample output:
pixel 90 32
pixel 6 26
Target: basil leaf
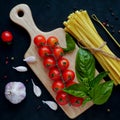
pixel 85 66
pixel 98 78
pixel 90 86
pixel 87 99
pixel 101 92
pixel 70 44
pixel 76 90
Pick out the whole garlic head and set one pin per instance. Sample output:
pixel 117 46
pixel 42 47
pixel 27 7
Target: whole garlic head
pixel 15 92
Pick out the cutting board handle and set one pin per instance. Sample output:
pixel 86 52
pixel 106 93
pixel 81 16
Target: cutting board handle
pixel 21 15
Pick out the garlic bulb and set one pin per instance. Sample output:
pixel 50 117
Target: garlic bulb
pixel 51 104
pixel 15 92
pixel 30 59
pixel 20 68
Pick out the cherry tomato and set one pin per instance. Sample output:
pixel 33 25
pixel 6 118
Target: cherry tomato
pixel 68 75
pixel 52 41
pixel 57 85
pixel 44 51
pixel 7 36
pixel 39 40
pixel 49 62
pixel 63 63
pixel 58 52
pixel 69 83
pixel 54 74
pixel 75 101
pixel 62 98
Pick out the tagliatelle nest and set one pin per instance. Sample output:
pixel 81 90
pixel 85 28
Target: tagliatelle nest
pixel 80 26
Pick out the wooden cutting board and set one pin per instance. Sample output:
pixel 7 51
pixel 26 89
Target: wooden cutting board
pixel 21 15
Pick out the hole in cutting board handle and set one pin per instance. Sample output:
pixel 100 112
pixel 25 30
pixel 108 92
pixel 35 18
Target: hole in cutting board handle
pixel 20 13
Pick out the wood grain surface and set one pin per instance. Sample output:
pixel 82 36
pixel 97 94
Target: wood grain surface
pixel 21 15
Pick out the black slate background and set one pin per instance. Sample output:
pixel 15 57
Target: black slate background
pixel 48 15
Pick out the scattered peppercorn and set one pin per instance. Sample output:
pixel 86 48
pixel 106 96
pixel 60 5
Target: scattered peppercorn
pixel 107 20
pixel 6 58
pixel 12 58
pixel 104 23
pixel 108 110
pixel 111 26
pixel 113 31
pixel 38 107
pixel 6 62
pixel 5 76
pixel 26 80
pixel 107 25
pixel 113 14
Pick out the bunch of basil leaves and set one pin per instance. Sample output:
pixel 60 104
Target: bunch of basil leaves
pixel 90 86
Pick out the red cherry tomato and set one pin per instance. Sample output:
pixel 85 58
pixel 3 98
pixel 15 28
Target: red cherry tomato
pixel 44 51
pixel 57 85
pixel 39 40
pixel 68 75
pixel 49 62
pixel 63 63
pixel 52 41
pixel 58 52
pixel 75 101
pixel 7 36
pixel 69 83
pixel 62 98
pixel 54 74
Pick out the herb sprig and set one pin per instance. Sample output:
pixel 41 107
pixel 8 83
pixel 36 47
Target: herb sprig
pixel 90 87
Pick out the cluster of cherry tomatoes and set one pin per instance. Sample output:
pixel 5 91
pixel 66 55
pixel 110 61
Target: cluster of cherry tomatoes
pixel 59 73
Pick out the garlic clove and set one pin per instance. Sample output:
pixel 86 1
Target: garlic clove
pixel 15 92
pixel 51 104
pixel 37 91
pixel 30 59
pixel 20 68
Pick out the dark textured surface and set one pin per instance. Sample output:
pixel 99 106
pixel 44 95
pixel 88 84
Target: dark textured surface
pixel 48 15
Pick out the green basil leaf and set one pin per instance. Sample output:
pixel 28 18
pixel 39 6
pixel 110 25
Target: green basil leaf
pixel 98 78
pixel 85 66
pixel 76 90
pixel 87 99
pixel 101 92
pixel 70 44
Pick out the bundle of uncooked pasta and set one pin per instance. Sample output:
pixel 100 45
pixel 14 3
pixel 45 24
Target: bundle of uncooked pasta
pixel 80 26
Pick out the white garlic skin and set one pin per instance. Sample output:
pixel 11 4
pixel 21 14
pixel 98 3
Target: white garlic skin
pixel 30 59
pixel 15 92
pixel 20 68
pixel 51 104
pixel 37 91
